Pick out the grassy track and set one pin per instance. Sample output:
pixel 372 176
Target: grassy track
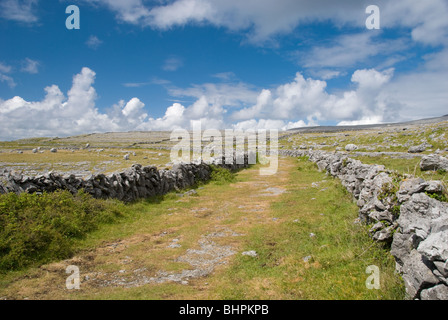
pixel 307 245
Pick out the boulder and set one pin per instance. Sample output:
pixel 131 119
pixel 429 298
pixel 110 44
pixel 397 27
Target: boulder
pixel 434 162
pixel 420 148
pixel 417 149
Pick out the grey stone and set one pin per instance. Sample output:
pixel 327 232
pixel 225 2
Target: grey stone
pixel 351 147
pixel 376 227
pixel 384 235
pixel 417 149
pixel 435 246
pixel 442 267
pixel 439 292
pixel 53 150
pixel 435 187
pixel 417 275
pixel 381 216
pixel 434 162
pixel 408 187
pixel 417 214
pixel 402 245
pixel 250 253
pixel 306 259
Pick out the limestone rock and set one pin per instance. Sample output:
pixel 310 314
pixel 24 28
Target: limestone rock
pixel 417 275
pixel 351 147
pixel 435 246
pixel 439 292
pixel 251 253
pixel 434 162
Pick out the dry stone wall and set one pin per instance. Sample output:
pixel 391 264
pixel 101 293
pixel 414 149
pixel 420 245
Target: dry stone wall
pixel 128 185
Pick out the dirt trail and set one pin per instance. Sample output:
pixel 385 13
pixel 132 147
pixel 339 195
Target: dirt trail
pixel 201 236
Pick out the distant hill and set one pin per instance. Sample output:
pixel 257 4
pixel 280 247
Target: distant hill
pixel 369 126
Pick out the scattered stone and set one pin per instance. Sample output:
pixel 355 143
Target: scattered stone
pixel 126 157
pixel 351 147
pixel 306 259
pixel 53 150
pixel 191 192
pixel 417 149
pixel 174 245
pixel 250 253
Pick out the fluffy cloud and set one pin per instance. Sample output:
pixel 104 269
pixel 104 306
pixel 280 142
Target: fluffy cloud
pixel 308 99
pixel 263 19
pixel 426 19
pixel 93 42
pixel 9 80
pixel 349 50
pixel 4 69
pixel 30 66
pixel 18 10
pixel 301 102
pixel 172 63
pixel 55 114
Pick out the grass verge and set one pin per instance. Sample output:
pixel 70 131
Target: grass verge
pixel 316 251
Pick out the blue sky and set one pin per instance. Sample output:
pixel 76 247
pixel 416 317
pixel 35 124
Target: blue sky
pixel 161 64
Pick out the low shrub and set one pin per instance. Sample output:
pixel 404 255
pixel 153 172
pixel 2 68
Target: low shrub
pixel 38 228
pixel 222 175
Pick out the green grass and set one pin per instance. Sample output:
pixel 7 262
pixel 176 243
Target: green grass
pixel 340 251
pixel 386 139
pixel 406 166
